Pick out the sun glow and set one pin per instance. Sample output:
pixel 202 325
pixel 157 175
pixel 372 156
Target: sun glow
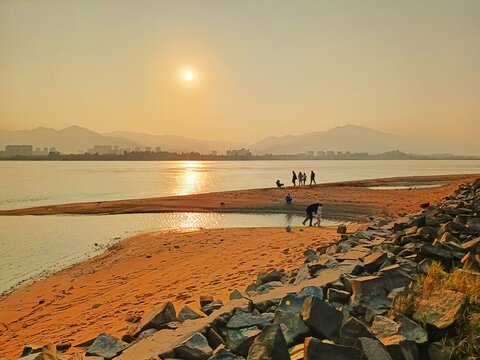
pixel 188 75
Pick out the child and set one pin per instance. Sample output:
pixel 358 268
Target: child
pixel 319 215
pixel 288 199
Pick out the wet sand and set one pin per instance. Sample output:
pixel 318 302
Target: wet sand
pixel 347 200
pixel 142 272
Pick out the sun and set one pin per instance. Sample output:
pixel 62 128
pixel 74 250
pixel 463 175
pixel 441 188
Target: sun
pixel 188 75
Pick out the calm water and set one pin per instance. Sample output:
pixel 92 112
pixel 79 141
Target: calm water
pixel 34 245
pixel 30 246
pixel 26 184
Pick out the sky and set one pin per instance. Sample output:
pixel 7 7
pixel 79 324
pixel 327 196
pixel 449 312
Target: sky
pixel 260 68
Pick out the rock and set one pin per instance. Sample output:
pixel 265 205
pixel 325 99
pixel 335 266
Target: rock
pixel 425 205
pixel 263 278
pixel 158 318
pixel 312 291
pixel 237 295
pixel 383 327
pixel 213 337
pixel 472 246
pixel 262 289
pixel 435 253
pixel 453 227
pixel 205 300
pixel 194 348
pixel 243 320
pixel 240 340
pixel 372 349
pixel 292 303
pixel 316 349
pixel 341 229
pixel 293 327
pixel 352 330
pixel 211 307
pixel 296 352
pixel 474 225
pixel 322 318
pixel 311 256
pixel 411 330
pixel 373 261
pixel 368 285
pixel 269 345
pixel 188 314
pixel 440 309
pixel 338 296
pixel 223 354
pixel 144 335
pixel 303 274
pixel 437 351
pixel 400 349
pixel 106 346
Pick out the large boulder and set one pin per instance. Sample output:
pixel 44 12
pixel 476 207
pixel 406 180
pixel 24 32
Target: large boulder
pixel 158 318
pixel 372 349
pixel 240 340
pixel 269 345
pixel 194 348
pixel 316 349
pixel 243 320
pixel 440 309
pixel 352 330
pixel 373 261
pixel 293 327
pixel 106 346
pixel 322 318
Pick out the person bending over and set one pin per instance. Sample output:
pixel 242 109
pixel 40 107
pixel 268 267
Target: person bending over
pixel 311 209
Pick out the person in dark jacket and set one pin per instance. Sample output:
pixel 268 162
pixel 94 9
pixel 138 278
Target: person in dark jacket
pixel 294 178
pixel 311 211
pixel 312 178
pixel 279 184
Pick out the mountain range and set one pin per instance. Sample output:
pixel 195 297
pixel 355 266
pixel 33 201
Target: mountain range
pixel 352 138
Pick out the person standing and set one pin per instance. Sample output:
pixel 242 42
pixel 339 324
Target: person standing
pixel 312 178
pixel 319 215
pixel 294 178
pixel 311 209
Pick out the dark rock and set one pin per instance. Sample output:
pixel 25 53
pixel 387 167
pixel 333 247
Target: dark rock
pixel 262 289
pixel 338 296
pixel 425 205
pixel 401 349
pixel 311 256
pixel 373 261
pixel 293 327
pixel 205 300
pixel 352 330
pixel 453 227
pixel 106 346
pixel 316 291
pixel 214 338
pixel 158 318
pixel 440 309
pixel 316 349
pixel 188 314
pixel 435 253
pixel 223 354
pixel 237 295
pixel 411 330
pixel 211 307
pixel 292 303
pixel 303 274
pixel 322 318
pixel 269 345
pixel 341 229
pixel 194 348
pixel 240 340
pixel 368 285
pixel 436 351
pixel 263 278
pixel 372 349
pixel 243 320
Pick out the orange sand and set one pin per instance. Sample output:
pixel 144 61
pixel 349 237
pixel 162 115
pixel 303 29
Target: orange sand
pixel 142 272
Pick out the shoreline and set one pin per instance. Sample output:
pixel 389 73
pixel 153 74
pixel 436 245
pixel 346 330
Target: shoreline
pixel 346 200
pixel 140 272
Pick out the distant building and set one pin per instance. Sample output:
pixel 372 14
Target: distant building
pixel 240 152
pixel 310 153
pixel 53 150
pixel 330 153
pixel 158 149
pixel 148 149
pixel 321 154
pixel 40 152
pixel 214 152
pixel 18 150
pixel 137 149
pixel 101 149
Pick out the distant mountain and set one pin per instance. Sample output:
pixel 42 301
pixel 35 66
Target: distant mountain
pixel 361 139
pixel 175 143
pixel 69 140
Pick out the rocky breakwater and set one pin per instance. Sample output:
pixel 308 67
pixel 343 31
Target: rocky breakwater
pixel 361 298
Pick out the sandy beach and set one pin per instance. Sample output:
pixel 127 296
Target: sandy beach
pixel 74 305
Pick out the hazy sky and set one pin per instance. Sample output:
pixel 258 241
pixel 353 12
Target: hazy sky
pixel 260 67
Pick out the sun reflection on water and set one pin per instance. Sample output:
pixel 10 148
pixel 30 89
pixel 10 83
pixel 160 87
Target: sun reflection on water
pixel 193 177
pixel 194 220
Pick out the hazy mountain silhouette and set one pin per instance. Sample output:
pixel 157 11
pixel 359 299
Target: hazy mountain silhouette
pixel 361 139
pixel 341 138
pixel 69 140
pixel 175 143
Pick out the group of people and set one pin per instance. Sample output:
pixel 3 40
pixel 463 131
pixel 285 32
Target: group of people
pixel 302 178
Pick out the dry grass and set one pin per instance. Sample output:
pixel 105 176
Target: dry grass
pixel 465 344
